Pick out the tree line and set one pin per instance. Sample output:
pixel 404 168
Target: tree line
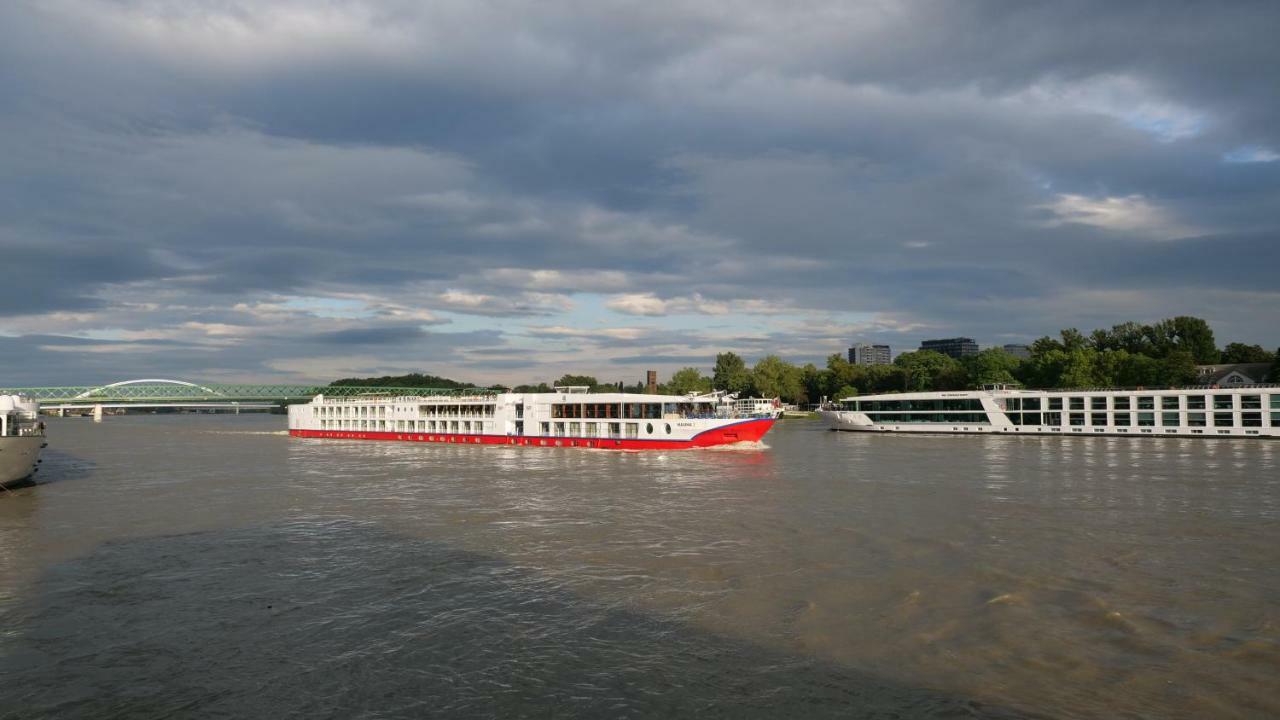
pixel 1130 354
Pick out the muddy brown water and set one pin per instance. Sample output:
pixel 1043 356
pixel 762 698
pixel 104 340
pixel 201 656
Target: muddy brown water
pixel 211 566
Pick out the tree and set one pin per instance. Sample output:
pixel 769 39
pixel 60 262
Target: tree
pixel 731 373
pixel 688 380
pixel 991 366
pixel 774 377
pixel 577 380
pixel 1073 339
pixel 1080 369
pixel 925 370
pixel 1241 353
pixel 1274 375
pixel 1186 333
pixel 813 383
pixel 1178 369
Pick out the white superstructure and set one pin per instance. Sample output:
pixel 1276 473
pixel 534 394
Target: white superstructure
pixel 569 417
pixel 1252 411
pixel 21 438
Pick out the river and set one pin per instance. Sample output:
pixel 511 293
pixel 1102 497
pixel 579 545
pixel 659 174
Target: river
pixel 211 566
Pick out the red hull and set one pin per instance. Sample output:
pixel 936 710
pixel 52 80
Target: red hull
pixel 745 431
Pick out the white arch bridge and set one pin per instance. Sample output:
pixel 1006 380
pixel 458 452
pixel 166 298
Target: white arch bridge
pixel 161 392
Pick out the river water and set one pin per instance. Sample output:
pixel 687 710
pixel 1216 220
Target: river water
pixel 211 566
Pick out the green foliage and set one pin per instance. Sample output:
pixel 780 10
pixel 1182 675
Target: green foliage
pixel 1274 375
pixel 412 380
pixel 774 377
pixel 991 366
pixel 928 370
pixel 688 380
pixel 1179 368
pixel 731 373
pixel 580 380
pixel 1164 353
pixel 1241 353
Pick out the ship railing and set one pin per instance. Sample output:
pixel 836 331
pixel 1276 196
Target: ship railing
pixel 1157 388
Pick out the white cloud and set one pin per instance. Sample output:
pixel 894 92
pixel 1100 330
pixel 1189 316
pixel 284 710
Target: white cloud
pixel 1251 154
pixel 1132 214
pixel 651 305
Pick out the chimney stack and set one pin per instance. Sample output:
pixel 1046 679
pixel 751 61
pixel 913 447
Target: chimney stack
pixel 651 382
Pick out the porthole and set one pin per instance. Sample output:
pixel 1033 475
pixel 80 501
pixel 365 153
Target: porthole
pixel 668 428
pixel 648 428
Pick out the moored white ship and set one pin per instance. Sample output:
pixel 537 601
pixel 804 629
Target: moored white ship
pixel 21 439
pixel 568 417
pixel 1248 411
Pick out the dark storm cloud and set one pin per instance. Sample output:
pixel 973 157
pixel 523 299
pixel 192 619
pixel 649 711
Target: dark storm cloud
pixel 393 335
pixel 992 168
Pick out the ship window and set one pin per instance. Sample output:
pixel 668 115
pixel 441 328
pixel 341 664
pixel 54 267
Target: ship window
pixel 1077 418
pixel 615 429
pixel 1169 419
pixel 1013 404
pixel 1122 403
pixel 1122 419
pixel 1053 418
pixel 545 428
pixel 560 428
pixel 648 428
pixel 1098 403
pixel 575 429
pixel 1275 402
pixel 1077 403
pixel 1098 418
pixel 1251 419
pixel 1030 418
pixel 1015 418
pixel 633 430
pixel 1196 419
pixel 588 429
pixel 1031 404
pixel 1195 402
pixel 1223 402
pixel 669 427
pixel 1146 402
pixel 1169 402
pixel 1275 419
pixel 1251 402
pixel 1146 419
pixel 1224 419
pixel 1055 403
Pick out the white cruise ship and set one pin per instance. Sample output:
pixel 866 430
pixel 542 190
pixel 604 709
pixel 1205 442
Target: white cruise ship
pixel 569 417
pixel 21 439
pixel 1248 411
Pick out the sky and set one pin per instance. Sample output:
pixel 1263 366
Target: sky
pixel 497 191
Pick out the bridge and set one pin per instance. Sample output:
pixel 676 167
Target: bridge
pixel 160 392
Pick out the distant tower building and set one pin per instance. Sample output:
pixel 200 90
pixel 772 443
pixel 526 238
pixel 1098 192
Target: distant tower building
pixel 651 382
pixel 955 347
pixel 869 354
pixel 1022 352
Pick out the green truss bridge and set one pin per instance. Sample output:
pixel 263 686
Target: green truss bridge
pixel 179 393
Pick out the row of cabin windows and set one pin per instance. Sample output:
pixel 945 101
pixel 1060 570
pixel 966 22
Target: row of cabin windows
pixel 1144 419
pixel 629 411
pixel 978 418
pixel 1148 402
pixel 612 429
pixel 449 426
pixel 380 411
pixel 943 404
pixel 476 410
pixel 1103 402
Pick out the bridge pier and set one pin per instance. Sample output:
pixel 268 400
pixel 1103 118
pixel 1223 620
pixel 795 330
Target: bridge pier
pixel 62 412
pixel 97 413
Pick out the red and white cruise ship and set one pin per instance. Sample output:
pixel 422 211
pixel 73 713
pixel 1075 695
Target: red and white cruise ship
pixel 569 417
